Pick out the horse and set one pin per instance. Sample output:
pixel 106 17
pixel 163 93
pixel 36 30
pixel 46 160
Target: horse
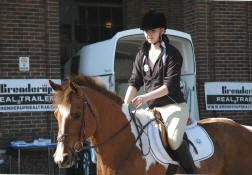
pixel 86 109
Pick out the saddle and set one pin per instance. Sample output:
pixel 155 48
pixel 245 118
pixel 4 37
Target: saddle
pixel 163 134
pixel 156 143
pixel 197 148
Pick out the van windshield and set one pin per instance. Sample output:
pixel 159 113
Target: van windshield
pixel 127 48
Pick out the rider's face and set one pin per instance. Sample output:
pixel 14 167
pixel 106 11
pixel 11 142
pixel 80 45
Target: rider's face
pixel 152 36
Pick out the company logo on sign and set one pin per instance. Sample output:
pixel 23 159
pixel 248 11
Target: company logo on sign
pixel 26 95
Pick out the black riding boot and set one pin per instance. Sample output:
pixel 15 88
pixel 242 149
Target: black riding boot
pixel 185 158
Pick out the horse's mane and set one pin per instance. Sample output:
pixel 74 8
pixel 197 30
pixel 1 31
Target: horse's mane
pixel 89 82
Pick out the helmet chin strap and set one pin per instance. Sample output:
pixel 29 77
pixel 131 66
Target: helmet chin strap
pixel 156 42
pixel 159 41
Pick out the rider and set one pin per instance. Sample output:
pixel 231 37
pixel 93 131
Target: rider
pixel 158 67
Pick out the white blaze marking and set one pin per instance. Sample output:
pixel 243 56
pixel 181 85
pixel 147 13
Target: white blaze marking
pixel 64 112
pixel 59 153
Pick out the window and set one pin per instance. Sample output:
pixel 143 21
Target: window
pixel 65 23
pixel 94 24
pixel 87 21
pixel 75 65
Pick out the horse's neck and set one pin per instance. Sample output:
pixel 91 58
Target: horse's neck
pixel 110 120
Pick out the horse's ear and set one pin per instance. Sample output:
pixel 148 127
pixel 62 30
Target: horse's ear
pixel 75 87
pixel 55 86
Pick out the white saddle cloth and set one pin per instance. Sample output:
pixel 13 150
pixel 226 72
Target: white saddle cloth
pixel 196 134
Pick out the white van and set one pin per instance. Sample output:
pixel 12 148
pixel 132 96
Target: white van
pixel 112 60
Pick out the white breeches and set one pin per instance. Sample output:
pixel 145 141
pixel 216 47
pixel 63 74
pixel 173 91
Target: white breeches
pixel 175 117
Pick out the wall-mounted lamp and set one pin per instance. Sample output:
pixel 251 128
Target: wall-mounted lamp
pixel 108 24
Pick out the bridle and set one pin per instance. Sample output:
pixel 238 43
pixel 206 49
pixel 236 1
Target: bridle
pixel 85 105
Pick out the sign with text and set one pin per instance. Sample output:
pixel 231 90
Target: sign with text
pixel 24 64
pixel 228 96
pixel 24 95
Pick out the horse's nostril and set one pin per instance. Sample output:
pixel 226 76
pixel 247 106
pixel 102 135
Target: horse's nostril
pixel 65 159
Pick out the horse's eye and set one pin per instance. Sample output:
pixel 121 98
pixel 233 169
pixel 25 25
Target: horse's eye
pixel 76 115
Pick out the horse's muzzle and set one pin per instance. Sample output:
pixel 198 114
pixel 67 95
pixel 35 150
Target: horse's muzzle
pixel 67 161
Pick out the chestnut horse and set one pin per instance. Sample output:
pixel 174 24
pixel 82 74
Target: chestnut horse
pixel 86 109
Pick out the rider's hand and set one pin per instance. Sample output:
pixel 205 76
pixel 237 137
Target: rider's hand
pixel 139 100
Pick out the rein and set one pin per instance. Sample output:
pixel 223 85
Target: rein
pixel 86 104
pixel 61 137
pixel 109 139
pixel 132 146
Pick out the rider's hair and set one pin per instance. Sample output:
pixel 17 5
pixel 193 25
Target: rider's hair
pixel 146 45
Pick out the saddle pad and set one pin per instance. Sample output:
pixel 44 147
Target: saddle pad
pixel 201 140
pixel 196 134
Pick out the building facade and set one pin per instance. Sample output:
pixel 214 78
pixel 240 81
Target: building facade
pixel 51 31
pixel 28 29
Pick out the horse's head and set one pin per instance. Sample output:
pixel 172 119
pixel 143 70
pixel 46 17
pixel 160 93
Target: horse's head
pixel 76 121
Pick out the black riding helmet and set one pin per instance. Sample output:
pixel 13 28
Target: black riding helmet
pixel 153 19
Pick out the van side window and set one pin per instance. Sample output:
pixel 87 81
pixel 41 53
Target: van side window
pixel 75 65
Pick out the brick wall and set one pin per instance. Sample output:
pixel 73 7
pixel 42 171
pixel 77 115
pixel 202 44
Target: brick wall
pixel 250 48
pixel 132 10
pixel 29 28
pixel 221 34
pixel 250 37
pixel 230 44
pixel 171 8
pixel 196 23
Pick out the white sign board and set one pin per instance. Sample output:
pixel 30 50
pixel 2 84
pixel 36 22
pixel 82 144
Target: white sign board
pixel 22 95
pixel 24 64
pixel 228 96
